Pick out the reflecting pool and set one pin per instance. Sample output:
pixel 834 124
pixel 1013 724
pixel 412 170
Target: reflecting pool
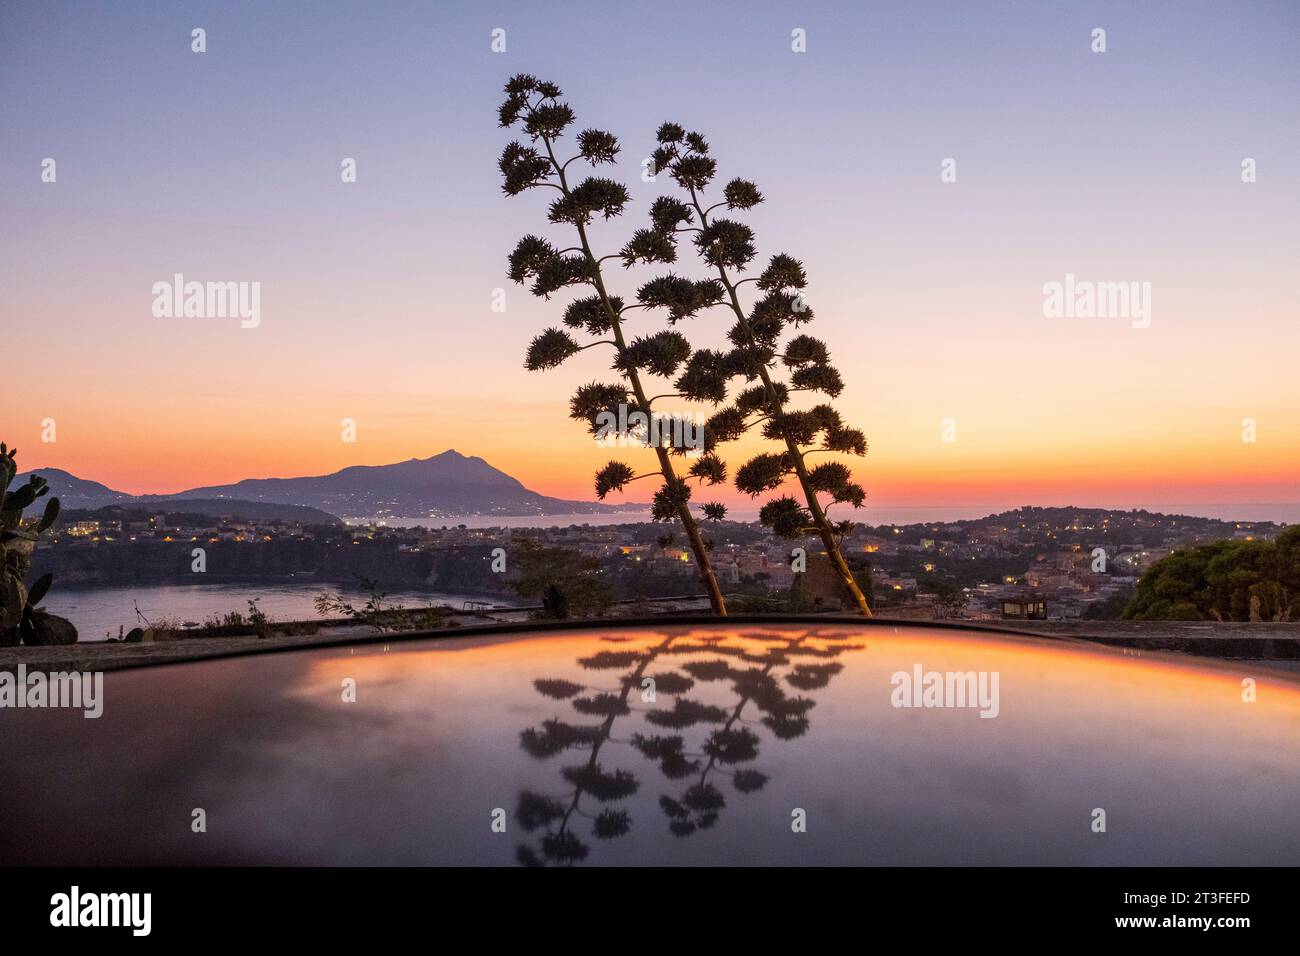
pixel 728 744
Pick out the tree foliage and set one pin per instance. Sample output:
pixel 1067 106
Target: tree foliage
pixel 566 581
pixel 1223 581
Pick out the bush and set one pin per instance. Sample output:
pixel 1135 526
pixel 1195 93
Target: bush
pixel 1223 581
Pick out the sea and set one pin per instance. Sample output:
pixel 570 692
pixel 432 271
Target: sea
pixel 98 613
pixel 1287 512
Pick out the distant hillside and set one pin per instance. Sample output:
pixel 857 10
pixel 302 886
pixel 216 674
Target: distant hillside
pixel 74 492
pixel 448 485
pixel 80 494
pixel 222 508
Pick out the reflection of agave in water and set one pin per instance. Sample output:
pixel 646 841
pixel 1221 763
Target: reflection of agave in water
pixel 671 682
pixel 602 705
pixel 785 716
pixel 559 689
pixel 728 742
pixel 601 785
pixel 686 713
pixel 812 676
pixel 732 746
pixel 669 751
pixel 556 736
pixel 534 811
pixel 748 781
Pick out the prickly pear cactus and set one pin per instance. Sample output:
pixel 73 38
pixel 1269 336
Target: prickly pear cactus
pixel 19 619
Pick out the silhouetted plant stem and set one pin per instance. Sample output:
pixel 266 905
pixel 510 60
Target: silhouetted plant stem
pixel 824 528
pixel 607 727
pixel 705 565
pixel 740 706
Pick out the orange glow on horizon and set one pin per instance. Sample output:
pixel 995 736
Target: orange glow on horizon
pixel 992 470
pixel 1034 439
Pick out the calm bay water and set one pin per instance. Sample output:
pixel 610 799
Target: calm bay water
pixel 508 521
pixel 98 613
pixel 1284 512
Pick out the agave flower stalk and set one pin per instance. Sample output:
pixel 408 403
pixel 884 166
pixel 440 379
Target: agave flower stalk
pixel 536 106
pixel 727 245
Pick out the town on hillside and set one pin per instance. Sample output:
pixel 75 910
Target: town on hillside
pixel 1038 563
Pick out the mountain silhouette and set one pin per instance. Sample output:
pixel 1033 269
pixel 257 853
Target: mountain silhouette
pixel 445 485
pixel 74 492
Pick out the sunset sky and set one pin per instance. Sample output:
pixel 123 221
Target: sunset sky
pixel 375 296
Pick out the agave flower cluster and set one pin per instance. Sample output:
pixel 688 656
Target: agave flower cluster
pixel 690 740
pixel 771 354
pixel 594 317
pixel 762 339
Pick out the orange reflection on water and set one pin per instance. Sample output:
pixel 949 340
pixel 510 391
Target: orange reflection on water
pixel 553 731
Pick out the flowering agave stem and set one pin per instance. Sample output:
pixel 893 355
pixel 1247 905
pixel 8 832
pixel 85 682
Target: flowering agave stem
pixel 707 577
pixel 544 120
pixel 824 528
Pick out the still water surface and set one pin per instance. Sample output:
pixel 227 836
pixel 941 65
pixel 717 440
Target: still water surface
pixel 1287 512
pixel 750 729
pixel 99 612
